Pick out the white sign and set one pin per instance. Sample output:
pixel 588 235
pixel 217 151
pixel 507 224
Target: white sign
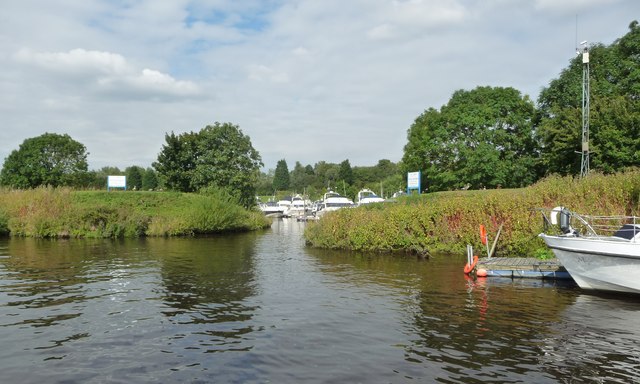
pixel 117 182
pixel 413 180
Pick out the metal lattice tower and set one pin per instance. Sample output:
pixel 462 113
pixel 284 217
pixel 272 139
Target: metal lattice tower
pixel 584 168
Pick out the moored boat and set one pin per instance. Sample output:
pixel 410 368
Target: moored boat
pixel 298 207
pixel 271 208
pixel 600 253
pixel 332 201
pixel 367 196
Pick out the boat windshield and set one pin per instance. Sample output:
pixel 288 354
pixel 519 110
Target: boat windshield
pixel 337 204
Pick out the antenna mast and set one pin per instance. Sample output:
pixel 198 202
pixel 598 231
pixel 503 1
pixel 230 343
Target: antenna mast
pixel 584 168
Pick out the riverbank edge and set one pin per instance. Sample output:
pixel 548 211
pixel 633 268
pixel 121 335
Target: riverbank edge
pixel 65 213
pixel 445 222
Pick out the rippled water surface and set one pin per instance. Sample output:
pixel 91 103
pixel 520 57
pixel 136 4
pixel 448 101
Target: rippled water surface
pixel 263 308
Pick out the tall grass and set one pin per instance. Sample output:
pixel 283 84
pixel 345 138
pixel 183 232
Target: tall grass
pixel 62 212
pixel 447 221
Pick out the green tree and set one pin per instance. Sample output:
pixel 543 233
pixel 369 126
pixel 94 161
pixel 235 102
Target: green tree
pixel 369 176
pixel 149 179
pixel 386 168
pixel 482 137
pixel 281 176
pixel 264 185
pixel 134 177
pixel 49 159
pixel 346 173
pixel 300 177
pixel 614 127
pixel 326 174
pixel 218 156
pixel 177 162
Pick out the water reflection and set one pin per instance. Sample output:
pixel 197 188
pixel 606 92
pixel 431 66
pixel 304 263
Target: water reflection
pixel 42 276
pixel 597 339
pixel 125 306
pixel 497 330
pixel 206 284
pixel 263 308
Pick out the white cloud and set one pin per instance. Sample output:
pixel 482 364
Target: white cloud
pixel 264 73
pixel 301 52
pixel 427 13
pixel 571 6
pixel 348 78
pixel 381 32
pixel 150 83
pixel 109 71
pixel 75 62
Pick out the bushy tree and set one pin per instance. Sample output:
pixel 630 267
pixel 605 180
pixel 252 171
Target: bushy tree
pixel 134 177
pixel 482 137
pixel 301 178
pixel 367 175
pixel 281 176
pixel 177 162
pixel 149 179
pixel 346 173
pixel 326 174
pixel 219 156
pixel 49 159
pixel 264 185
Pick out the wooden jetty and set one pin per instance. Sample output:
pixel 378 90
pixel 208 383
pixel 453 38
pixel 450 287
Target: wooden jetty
pixel 523 267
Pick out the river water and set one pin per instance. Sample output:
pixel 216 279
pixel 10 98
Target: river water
pixel 263 308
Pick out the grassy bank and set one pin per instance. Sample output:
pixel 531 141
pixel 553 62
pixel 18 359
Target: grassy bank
pixel 447 221
pixel 61 212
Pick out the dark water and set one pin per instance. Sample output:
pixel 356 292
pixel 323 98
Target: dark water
pixel 262 308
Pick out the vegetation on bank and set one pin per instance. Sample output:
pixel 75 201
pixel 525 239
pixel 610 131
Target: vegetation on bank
pixel 63 212
pixel 448 221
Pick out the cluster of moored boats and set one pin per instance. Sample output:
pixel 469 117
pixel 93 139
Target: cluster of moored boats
pixel 301 208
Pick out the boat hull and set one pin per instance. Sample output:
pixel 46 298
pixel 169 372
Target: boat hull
pixel 598 263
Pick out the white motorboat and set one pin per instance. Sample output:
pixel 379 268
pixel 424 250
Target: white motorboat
pixel 298 207
pixel 367 196
pixel 332 201
pixel 600 253
pixel 284 203
pixel 271 208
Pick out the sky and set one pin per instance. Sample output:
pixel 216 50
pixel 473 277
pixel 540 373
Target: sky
pixel 306 80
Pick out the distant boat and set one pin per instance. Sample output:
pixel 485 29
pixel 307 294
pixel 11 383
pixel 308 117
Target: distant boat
pixel 332 201
pixel 271 208
pixel 367 196
pixel 298 207
pixel 600 253
pixel 285 202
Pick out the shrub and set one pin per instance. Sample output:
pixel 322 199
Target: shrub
pixel 448 221
pixel 61 212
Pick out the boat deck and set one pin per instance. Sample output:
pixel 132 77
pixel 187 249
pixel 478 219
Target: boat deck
pixel 526 267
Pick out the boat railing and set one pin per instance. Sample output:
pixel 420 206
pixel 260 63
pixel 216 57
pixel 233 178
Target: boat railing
pixel 626 227
pixel 621 226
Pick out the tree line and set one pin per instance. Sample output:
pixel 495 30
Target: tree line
pixel 219 156
pixel 384 178
pixel 488 137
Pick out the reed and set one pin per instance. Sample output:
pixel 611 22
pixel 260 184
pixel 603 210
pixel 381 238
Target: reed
pixel 446 222
pixel 62 212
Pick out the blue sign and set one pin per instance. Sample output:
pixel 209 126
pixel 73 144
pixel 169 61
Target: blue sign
pixel 413 181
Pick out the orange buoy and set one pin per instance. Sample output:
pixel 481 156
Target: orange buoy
pixel 481 272
pixel 483 234
pixel 469 267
